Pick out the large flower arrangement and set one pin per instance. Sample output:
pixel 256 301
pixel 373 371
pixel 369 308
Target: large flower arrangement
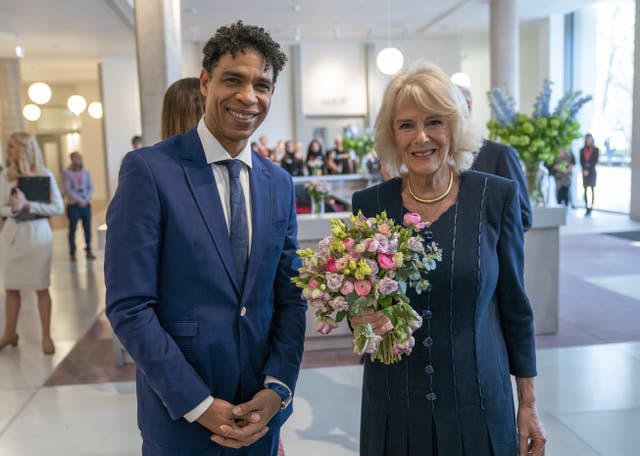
pixel 369 265
pixel 538 137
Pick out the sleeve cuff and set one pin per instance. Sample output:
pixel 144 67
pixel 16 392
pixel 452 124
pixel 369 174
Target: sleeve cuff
pixel 270 379
pixel 197 412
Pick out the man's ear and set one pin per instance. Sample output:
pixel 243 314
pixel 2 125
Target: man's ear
pixel 204 82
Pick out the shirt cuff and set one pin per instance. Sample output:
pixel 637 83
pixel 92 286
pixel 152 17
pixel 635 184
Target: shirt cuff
pixel 197 412
pixel 271 379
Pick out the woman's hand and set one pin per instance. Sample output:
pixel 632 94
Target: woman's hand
pixel 531 435
pixel 18 201
pixel 380 324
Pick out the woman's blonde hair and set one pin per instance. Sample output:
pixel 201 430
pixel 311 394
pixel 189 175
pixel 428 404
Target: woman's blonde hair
pixel 29 162
pixel 182 108
pixel 430 88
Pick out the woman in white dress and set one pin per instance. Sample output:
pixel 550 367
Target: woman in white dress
pixel 26 238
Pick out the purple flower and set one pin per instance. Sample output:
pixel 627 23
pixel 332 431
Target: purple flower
pixel 387 286
pixel 334 281
pixel 383 242
pixel 415 244
pixel 339 303
pixel 373 264
pixel 404 346
pixel 372 344
pixel 325 325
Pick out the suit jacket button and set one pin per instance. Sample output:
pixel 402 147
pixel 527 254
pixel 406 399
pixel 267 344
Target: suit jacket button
pixel 243 312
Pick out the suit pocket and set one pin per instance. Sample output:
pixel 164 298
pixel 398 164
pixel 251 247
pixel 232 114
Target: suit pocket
pixel 183 332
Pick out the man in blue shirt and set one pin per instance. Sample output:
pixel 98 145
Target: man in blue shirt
pixel 78 189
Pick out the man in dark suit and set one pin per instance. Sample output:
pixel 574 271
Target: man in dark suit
pixel 502 160
pixel 201 248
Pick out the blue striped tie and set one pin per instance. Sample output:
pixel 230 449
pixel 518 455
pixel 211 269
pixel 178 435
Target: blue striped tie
pixel 238 229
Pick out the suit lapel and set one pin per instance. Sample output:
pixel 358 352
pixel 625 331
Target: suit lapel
pixel 260 219
pixel 205 191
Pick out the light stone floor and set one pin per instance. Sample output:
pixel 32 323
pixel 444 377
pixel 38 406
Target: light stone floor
pixel 588 396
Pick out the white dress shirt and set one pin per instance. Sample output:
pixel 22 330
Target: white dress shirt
pixel 215 153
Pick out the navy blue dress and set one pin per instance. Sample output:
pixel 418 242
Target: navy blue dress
pixel 452 396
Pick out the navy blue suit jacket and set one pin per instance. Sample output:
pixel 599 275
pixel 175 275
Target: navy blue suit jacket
pixel 502 160
pixel 172 299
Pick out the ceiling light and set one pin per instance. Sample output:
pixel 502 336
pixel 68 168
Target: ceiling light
pixel 31 112
pixel 461 79
pixel 390 59
pixel 19 52
pixel 39 92
pixel 76 104
pixel 95 110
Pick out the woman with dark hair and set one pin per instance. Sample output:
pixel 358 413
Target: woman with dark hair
pixel 452 395
pixel 27 242
pixel 315 158
pixel 589 156
pixel 290 163
pixel 182 107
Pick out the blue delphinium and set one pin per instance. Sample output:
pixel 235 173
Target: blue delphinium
pixel 502 106
pixel 541 107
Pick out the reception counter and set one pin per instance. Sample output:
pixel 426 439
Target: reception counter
pixel 541 270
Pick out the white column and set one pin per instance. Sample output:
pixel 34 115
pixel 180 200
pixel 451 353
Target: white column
pixel 504 36
pixel 635 135
pixel 11 119
pixel 159 49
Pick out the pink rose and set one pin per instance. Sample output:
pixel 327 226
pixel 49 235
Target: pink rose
pixel 349 243
pixel 404 346
pixel 363 287
pixel 354 256
pixel 370 245
pixel 385 260
pixel 413 219
pixel 346 288
pixel 313 283
pixel 331 265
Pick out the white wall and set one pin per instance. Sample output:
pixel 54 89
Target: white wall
pixel 93 144
pixel 121 105
pixel 477 64
pixel 191 59
pixel 279 123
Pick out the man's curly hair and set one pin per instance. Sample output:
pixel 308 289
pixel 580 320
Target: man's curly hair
pixel 239 37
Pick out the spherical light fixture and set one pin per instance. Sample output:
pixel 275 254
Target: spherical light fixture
pixel 76 104
pixel 31 112
pixel 390 60
pixel 461 79
pixel 95 110
pixel 39 92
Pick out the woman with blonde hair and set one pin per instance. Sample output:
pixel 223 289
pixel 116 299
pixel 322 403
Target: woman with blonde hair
pixel 182 107
pixel 26 238
pixel 452 395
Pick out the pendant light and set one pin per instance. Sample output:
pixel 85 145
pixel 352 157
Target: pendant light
pixel 389 59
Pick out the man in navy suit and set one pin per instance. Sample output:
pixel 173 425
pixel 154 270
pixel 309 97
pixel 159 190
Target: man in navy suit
pixel 502 160
pixel 200 251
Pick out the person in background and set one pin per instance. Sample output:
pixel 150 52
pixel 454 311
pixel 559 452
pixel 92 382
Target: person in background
pixel 338 160
pixel 315 159
pixel 200 252
pixel 502 160
pixel 27 243
pixel 78 189
pixel 182 107
pixel 290 162
pixel 278 152
pixel 264 150
pixel 562 170
pixel 589 156
pixel 136 142
pixel 452 395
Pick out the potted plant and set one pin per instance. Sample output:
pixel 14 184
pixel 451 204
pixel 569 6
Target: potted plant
pixel 537 138
pixel 362 147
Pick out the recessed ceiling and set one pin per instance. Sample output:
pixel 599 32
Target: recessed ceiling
pixel 83 31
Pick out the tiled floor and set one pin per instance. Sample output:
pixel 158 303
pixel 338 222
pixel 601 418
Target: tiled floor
pixel 588 391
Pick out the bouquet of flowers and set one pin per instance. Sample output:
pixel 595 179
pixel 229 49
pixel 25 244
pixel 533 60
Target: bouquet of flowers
pixel 315 166
pixel 317 189
pixel 369 265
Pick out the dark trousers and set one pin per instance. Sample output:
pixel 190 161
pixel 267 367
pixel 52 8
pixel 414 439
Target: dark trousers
pixel 562 196
pixel 75 213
